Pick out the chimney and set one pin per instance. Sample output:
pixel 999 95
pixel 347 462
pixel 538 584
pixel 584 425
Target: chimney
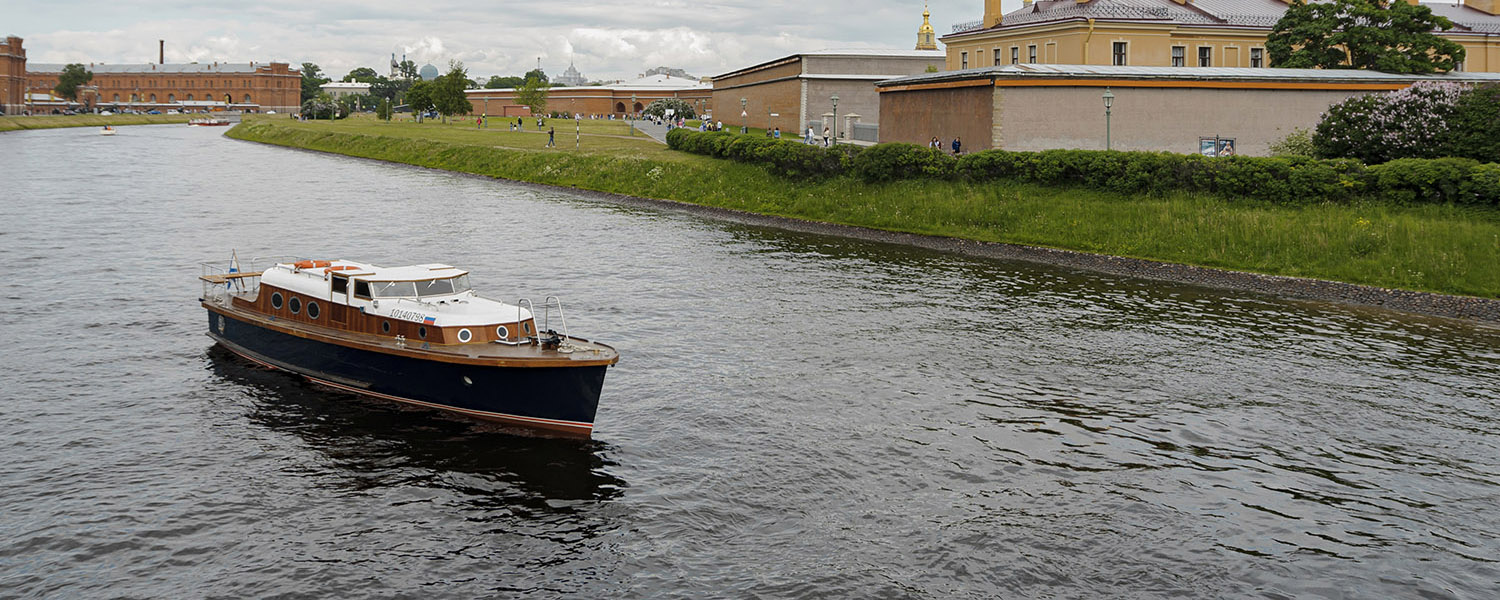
pixel 1490 7
pixel 993 13
pixel 161 52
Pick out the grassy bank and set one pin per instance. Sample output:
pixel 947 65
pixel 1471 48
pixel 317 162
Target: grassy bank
pixel 1427 248
pixel 55 121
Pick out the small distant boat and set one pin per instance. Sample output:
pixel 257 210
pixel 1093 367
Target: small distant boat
pixel 107 130
pixel 415 334
pixel 207 123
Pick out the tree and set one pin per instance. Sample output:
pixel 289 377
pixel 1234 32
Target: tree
pixel 320 107
pixel 537 74
pixel 504 83
pixel 448 92
pixel 681 109
pixel 419 98
pixel 312 81
pixel 72 76
pixel 407 69
pixel 1363 34
pixel 533 94
pixel 362 75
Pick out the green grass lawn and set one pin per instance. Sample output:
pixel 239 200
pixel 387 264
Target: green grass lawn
pixel 11 123
pixel 1427 247
pixel 589 136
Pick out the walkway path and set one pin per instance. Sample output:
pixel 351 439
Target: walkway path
pixel 657 132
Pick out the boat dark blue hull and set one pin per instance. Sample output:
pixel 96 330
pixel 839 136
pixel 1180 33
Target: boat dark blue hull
pixel 558 399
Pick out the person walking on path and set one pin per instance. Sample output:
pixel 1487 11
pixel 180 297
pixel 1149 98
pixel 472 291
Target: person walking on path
pixel 810 133
pixel 958 146
pixel 825 137
pixel 551 137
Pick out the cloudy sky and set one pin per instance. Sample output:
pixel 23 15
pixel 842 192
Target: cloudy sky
pixel 606 39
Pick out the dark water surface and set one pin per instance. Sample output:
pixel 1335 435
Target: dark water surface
pixel 794 416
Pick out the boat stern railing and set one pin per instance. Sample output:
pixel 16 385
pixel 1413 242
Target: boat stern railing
pixel 225 279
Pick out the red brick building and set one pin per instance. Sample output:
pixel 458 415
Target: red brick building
pixel 12 75
pixel 248 86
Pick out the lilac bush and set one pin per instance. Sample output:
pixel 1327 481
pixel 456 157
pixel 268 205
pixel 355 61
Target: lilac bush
pixel 1376 128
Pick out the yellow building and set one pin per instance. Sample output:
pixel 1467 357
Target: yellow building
pixel 1169 33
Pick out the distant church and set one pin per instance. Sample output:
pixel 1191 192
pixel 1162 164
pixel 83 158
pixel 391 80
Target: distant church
pixel 926 37
pixel 570 77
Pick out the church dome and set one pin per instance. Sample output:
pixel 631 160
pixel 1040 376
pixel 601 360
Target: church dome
pixel 428 72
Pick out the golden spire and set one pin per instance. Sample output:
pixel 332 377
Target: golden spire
pixel 926 38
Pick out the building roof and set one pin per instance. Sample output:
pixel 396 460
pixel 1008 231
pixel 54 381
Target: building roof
pixel 1029 71
pixel 843 52
pixel 652 83
pixel 347 85
pixel 190 68
pixel 1224 13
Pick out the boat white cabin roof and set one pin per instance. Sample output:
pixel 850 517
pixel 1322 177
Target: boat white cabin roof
pixel 369 272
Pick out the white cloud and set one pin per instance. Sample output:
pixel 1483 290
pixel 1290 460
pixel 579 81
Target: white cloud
pixel 606 40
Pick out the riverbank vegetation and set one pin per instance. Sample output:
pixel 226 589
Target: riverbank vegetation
pixel 1429 247
pixel 10 123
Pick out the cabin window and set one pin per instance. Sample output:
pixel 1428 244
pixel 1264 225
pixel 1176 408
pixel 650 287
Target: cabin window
pixel 295 304
pixel 276 300
pixel 502 332
pixel 465 336
pixel 340 284
pixel 422 332
pixel 393 289
pixel 312 310
pixel 361 289
pixel 385 326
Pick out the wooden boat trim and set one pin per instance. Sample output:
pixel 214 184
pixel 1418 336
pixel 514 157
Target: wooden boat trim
pixel 389 346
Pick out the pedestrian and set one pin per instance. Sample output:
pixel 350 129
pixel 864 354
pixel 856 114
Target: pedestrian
pixel 778 133
pixel 958 146
pixel 809 138
pixel 478 122
pixel 825 137
pixel 935 144
pixel 551 139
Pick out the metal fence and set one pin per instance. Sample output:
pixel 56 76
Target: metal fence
pixel 865 132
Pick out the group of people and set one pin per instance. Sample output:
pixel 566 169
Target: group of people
pixel 812 138
pixel 957 145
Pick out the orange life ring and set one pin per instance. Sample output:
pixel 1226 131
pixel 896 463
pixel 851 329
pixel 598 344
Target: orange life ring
pixel 344 268
pixel 311 264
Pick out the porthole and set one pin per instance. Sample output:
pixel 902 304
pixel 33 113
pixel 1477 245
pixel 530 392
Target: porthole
pixel 503 332
pixel 276 300
pixel 312 310
pixel 526 327
pixel 422 332
pixel 385 327
pixel 468 381
pixel 464 336
pixel 295 304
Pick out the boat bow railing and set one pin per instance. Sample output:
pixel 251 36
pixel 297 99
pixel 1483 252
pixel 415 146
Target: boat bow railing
pixel 543 333
pixel 225 279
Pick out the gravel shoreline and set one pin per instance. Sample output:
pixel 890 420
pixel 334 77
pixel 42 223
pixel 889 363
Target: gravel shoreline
pixel 1468 308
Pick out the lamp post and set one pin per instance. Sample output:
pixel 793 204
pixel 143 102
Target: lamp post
pixel 577 126
pixel 835 99
pixel 1109 101
pixel 629 115
pixel 744 115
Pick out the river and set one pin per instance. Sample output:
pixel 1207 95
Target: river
pixel 794 416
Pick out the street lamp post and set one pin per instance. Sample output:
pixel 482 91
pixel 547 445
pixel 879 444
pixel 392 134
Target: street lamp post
pixel 744 116
pixel 1109 101
pixel 630 115
pixel 577 126
pixel 835 99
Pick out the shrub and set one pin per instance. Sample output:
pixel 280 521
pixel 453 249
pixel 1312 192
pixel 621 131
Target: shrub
pixel 1413 180
pixel 1483 185
pixel 1297 143
pixel 892 162
pixel 1408 123
pixel 1474 127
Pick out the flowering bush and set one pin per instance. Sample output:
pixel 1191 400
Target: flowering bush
pixel 1408 123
